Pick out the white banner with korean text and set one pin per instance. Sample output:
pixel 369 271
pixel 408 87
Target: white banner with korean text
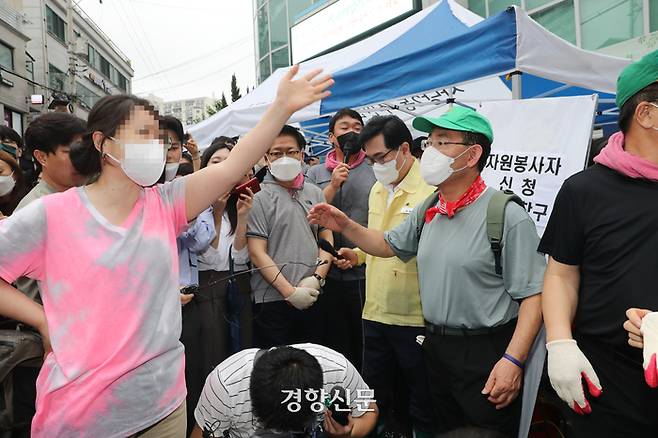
pixel 538 143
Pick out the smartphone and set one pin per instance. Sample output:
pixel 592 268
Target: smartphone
pixel 242 189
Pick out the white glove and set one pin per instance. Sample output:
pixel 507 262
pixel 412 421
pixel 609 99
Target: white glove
pixel 567 366
pixel 303 297
pixel 311 282
pixel 649 329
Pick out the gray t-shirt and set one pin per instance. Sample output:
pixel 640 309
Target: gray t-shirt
pixel 26 285
pixel 279 216
pixel 351 199
pixel 458 283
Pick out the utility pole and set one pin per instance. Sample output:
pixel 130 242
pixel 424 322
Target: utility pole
pixel 70 47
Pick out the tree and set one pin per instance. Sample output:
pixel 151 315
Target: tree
pixel 217 106
pixel 235 91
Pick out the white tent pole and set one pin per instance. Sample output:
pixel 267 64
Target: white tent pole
pixel 516 85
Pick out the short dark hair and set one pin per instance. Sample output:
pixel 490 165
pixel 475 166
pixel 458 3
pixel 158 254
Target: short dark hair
pixel 294 133
pixel 218 144
pixel 283 369
pixel 417 146
pixel 345 112
pixel 106 116
pixel 224 140
pixel 7 133
pixel 172 123
pixel 476 138
pixel 48 132
pixel 393 129
pixel 627 111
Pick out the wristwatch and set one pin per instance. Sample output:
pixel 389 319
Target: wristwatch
pixel 320 279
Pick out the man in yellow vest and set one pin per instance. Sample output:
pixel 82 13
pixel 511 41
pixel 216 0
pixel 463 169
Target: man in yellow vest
pixel 392 314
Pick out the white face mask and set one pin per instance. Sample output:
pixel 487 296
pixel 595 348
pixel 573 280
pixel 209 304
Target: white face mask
pixel 435 166
pixel 285 169
pixel 388 173
pixel 142 162
pixel 7 184
pixel 170 171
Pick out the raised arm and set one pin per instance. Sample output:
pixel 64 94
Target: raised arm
pixel 207 185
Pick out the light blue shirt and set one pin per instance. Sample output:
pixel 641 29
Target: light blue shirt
pixel 195 240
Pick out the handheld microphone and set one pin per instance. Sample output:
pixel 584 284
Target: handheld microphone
pixel 328 247
pixel 338 405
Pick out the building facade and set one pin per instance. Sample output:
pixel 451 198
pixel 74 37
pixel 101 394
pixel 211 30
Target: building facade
pixel 15 65
pixel 273 20
pixel 83 63
pixel 626 28
pixel 188 111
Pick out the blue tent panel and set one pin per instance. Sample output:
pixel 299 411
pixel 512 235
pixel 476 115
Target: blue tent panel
pixel 482 50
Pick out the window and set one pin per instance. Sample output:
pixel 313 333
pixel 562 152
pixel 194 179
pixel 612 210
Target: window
pixel 104 66
pixel 653 15
pixel 264 69
pixel 532 4
pixel 91 54
pixel 114 75
pixel 87 97
pixel 621 19
pixel 123 83
pixel 559 19
pixel 496 6
pixel 278 25
pixel 280 58
pixel 478 6
pixel 56 78
pixel 29 67
pixel 263 32
pixel 55 24
pixel 6 56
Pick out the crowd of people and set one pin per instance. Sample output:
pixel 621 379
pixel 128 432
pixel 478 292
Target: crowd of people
pixel 249 290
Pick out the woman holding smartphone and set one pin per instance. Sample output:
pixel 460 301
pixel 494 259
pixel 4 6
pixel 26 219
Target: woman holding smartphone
pixel 105 255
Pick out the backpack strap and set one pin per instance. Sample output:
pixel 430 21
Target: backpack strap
pixel 428 203
pixel 496 223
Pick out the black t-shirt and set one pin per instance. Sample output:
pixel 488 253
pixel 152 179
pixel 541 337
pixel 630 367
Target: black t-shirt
pixel 608 224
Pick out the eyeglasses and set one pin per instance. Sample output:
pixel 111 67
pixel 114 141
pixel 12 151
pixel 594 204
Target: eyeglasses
pixel 278 154
pixel 437 144
pixel 382 159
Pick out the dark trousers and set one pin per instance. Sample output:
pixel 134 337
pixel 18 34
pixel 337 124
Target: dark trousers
pixel 392 355
pixel 458 368
pixel 278 323
pixel 205 333
pixel 627 407
pixel 340 306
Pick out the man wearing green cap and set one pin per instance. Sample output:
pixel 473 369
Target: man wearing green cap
pixel 602 239
pixel 480 322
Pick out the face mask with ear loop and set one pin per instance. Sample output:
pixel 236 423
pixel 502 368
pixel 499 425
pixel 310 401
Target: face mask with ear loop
pixel 7 184
pixel 435 166
pixel 142 162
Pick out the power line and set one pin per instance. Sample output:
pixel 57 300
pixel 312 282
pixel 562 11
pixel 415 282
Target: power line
pixel 199 78
pixel 134 38
pixel 161 5
pixel 184 63
pixel 148 41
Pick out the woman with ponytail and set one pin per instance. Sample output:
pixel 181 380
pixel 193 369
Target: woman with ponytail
pixel 105 255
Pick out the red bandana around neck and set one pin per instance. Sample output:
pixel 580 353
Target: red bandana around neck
pixel 450 208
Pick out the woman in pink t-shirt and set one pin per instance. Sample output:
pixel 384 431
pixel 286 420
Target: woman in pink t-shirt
pixel 106 261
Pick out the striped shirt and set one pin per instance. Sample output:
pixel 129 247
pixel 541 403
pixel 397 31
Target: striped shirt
pixel 225 402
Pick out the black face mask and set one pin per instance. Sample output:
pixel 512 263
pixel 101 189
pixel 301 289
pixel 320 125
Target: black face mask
pixel 349 142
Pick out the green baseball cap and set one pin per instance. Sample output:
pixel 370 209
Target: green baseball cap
pixel 457 119
pixel 637 76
